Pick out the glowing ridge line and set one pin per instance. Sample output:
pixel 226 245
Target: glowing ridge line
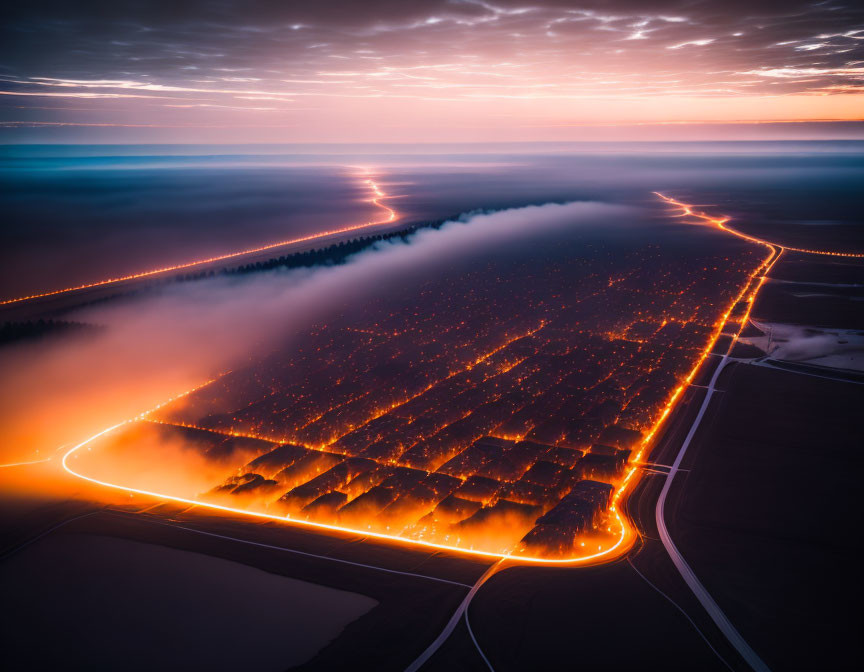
pixel 391 216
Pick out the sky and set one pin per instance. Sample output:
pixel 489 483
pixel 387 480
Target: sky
pixel 430 71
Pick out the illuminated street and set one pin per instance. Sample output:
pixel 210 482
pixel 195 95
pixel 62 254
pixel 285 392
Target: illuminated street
pixel 441 336
pixel 390 215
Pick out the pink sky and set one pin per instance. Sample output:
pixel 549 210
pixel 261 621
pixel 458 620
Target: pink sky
pixel 456 70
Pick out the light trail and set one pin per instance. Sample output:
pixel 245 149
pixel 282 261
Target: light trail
pixel 24 464
pixel 323 526
pixel 626 532
pixel 378 196
pixel 687 210
pixel 708 603
pixel 625 535
pixel 760 273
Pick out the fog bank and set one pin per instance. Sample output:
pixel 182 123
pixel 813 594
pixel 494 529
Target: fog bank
pixel 59 392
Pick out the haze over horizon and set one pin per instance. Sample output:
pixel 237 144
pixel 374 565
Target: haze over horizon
pixel 431 335
pixel 433 71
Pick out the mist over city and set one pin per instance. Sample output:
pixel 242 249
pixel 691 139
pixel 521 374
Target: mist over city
pixel 447 335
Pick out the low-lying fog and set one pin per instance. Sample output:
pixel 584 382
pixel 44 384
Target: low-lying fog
pixel 796 343
pixel 75 215
pixel 61 391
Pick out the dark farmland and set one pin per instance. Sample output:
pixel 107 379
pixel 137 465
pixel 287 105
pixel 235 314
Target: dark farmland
pixel 763 517
pixel 763 513
pixel 404 601
pixel 126 208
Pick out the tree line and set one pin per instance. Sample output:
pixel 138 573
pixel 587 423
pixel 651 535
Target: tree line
pixel 14 332
pixel 332 255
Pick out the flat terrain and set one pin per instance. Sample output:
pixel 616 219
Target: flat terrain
pixel 756 515
pixel 763 510
pixel 760 509
pixel 63 303
pixel 778 560
pixel 400 590
pixel 599 618
pixel 523 619
pixel 181 602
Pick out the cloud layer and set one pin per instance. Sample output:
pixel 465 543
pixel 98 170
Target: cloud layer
pixel 319 70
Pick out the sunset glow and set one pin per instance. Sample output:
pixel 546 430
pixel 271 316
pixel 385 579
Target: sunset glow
pixel 464 70
pixel 430 335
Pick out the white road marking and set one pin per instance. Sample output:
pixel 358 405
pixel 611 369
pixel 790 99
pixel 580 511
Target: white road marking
pixel 476 645
pixel 705 599
pixel 454 620
pixel 684 613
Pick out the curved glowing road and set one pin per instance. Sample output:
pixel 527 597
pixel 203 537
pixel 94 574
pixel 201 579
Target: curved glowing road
pixel 390 215
pixel 687 210
pixel 711 607
pixel 705 599
pixel 626 534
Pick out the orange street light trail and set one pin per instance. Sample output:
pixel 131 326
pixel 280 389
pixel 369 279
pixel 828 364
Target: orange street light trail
pixel 390 215
pixel 625 531
pixel 687 210
pixel 24 464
